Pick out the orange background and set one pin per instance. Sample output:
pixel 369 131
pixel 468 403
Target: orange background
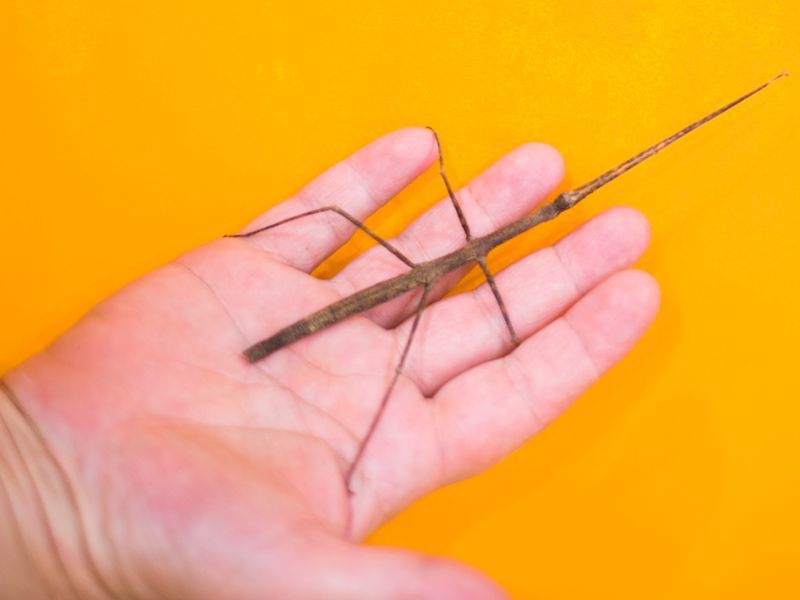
pixel 131 131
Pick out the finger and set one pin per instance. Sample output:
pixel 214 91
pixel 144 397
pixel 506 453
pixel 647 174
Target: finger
pixel 392 574
pixel 488 411
pixel 504 192
pixel 359 185
pixel 466 330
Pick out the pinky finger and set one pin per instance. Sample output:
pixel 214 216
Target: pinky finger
pixel 490 410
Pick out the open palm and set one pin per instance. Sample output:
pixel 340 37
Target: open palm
pixel 191 473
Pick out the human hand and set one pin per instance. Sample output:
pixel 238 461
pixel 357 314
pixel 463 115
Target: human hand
pixel 176 469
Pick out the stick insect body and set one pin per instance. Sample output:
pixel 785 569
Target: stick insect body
pixel 426 274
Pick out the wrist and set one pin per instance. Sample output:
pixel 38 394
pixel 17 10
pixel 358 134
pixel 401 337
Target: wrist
pixel 41 545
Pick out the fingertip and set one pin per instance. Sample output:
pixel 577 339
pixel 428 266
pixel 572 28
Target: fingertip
pixel 546 159
pixel 452 579
pixel 630 223
pixel 381 572
pixel 412 141
pixel 650 292
pixel 436 577
pixel 633 295
pixel 520 179
pixel 535 168
pixel 390 163
pixel 615 314
pixel 638 290
pixel 612 240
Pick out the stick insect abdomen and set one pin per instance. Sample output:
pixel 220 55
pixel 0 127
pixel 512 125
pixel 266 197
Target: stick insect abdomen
pixel 338 311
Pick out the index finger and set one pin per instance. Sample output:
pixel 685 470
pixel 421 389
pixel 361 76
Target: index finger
pixel 359 185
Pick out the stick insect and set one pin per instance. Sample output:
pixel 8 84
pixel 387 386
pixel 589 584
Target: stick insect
pixel 426 274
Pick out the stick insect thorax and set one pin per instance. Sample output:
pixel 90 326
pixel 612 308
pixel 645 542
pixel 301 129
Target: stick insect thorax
pixel 474 251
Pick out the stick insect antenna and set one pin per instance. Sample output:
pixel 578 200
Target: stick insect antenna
pixel 581 192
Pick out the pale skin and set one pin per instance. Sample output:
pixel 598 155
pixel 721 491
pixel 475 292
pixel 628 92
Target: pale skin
pixel 142 457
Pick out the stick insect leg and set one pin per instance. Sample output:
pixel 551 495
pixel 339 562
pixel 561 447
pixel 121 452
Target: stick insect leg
pixel 338 211
pixel 461 218
pixel 385 400
pixel 465 226
pixel 500 303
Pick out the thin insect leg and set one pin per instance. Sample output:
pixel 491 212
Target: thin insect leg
pixel 461 218
pixel 500 303
pixel 385 400
pixel 338 211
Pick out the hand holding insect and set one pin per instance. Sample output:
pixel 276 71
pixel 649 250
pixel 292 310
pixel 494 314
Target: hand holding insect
pixel 166 453
pixel 427 274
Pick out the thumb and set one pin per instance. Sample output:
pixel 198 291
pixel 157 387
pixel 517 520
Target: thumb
pixel 376 573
